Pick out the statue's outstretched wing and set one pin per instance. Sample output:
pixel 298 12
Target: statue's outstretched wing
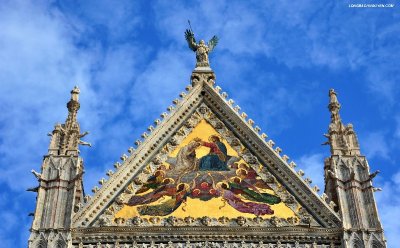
pixel 189 35
pixel 212 43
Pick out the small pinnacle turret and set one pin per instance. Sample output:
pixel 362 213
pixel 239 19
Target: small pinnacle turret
pixel 66 137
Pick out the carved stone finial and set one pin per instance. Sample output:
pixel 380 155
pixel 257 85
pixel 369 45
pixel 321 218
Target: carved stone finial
pixel 73 106
pixel 95 189
pixel 308 180
pixel 270 143
pixel 334 107
pixel 117 165
pixel 324 197
pixel 102 181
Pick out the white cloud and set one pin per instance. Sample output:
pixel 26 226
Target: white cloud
pixel 313 167
pixel 388 202
pixel 374 145
pixel 160 83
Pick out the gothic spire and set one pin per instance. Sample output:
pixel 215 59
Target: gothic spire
pixel 342 139
pixel 60 190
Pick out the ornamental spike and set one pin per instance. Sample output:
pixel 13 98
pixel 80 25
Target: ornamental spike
pixel 124 157
pixel 157 122
pixel 110 173
pixel 138 142
pixel 131 150
pixel 270 143
pixel 144 135
pixel 95 189
pixel 102 181
pixel 285 158
pixel 332 204
pixel 324 197
pixel 164 115
pixel 86 198
pixel 117 165
pixel 189 87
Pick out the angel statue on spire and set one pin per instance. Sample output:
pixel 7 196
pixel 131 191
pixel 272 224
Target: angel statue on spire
pixel 202 50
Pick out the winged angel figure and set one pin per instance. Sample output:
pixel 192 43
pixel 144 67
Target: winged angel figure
pixel 202 50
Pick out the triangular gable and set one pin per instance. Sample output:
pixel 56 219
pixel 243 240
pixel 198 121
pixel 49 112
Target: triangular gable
pixel 203 102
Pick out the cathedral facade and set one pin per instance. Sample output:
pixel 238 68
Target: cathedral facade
pixel 204 175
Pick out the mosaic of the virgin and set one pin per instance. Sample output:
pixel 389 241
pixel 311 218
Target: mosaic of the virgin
pixel 204 176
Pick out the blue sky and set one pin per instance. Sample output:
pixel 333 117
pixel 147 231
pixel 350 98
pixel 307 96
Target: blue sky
pixel 277 60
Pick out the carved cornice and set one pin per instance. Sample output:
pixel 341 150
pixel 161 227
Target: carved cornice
pixel 255 234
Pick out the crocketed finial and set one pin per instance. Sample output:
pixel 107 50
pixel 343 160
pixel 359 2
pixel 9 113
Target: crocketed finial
pixel 334 106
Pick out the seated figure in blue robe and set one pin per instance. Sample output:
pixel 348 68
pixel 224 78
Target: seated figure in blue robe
pixel 217 158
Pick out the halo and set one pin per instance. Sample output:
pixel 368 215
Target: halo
pixel 219 185
pixel 215 135
pixel 239 172
pixel 233 179
pixel 159 173
pixel 168 181
pixel 185 187
pixel 243 166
